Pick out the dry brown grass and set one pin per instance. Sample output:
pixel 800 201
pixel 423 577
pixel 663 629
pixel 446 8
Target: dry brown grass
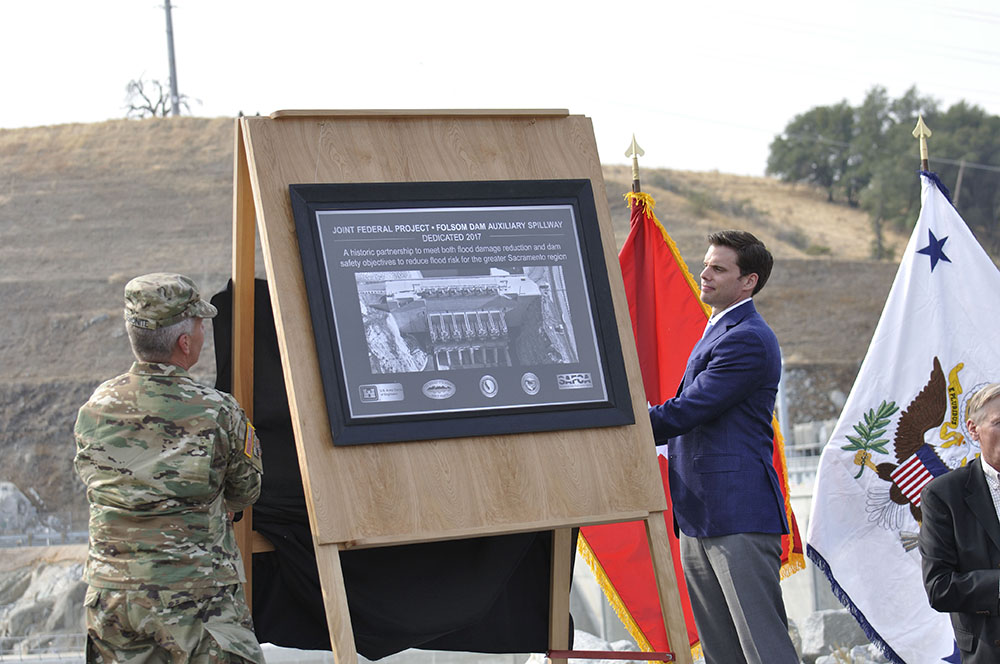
pixel 85 206
pixel 794 221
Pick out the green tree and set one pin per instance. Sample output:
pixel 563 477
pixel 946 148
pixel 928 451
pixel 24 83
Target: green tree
pixel 871 123
pixel 815 147
pixel 869 155
pixel 884 159
pixel 966 133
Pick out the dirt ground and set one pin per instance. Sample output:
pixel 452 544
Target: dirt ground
pixel 85 207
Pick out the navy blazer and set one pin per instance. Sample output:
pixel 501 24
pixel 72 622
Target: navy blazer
pixel 719 434
pixel 960 552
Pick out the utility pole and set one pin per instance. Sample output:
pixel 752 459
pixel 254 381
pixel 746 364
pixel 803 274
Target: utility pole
pixel 958 183
pixel 175 98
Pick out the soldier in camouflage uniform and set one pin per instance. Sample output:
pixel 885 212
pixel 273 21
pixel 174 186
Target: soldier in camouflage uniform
pixel 166 461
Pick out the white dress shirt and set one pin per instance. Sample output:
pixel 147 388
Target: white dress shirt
pixel 993 482
pixel 714 318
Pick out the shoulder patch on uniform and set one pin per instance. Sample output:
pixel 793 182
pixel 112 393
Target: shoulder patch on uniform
pixel 249 449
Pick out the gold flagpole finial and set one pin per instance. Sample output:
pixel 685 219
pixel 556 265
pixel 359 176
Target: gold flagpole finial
pixel 635 152
pixel 922 132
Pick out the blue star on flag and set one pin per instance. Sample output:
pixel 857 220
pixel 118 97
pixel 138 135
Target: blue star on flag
pixel 935 249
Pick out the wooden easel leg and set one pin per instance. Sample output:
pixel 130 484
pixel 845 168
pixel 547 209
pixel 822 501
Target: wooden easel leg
pixel 666 585
pixel 562 541
pixel 244 234
pixel 243 270
pixel 338 615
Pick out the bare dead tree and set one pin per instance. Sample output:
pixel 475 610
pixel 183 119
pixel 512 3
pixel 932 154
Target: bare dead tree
pixel 144 99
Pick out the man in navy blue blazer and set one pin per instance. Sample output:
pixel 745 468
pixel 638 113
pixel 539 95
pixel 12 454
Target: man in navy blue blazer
pixel 727 502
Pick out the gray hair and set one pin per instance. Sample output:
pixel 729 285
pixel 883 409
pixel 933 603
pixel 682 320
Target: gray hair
pixel 978 401
pixel 157 345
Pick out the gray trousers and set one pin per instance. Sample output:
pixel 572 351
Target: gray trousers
pixel 733 583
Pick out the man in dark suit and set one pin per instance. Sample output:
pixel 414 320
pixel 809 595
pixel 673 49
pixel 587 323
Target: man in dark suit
pixel 726 497
pixel 960 537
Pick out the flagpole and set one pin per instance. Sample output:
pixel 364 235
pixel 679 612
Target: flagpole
pixel 922 132
pixel 635 152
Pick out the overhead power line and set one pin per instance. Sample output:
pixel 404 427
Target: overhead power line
pixel 968 164
pixel 817 138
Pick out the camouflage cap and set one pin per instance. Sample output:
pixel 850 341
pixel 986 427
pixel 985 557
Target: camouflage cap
pixel 162 299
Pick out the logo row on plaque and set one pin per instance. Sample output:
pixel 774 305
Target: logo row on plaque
pixel 440 388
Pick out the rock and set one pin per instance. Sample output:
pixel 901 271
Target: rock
pixel 857 655
pixel 67 614
pixel 827 632
pixel 41 605
pixel 793 633
pixel 869 654
pixel 815 391
pixel 13 584
pixel 16 511
pixel 26 617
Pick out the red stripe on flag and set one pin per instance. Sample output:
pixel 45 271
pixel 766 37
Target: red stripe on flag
pixel 908 477
pixel 916 482
pixel 911 477
pixel 908 467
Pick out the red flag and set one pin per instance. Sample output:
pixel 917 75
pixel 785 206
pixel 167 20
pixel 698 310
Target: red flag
pixel 668 318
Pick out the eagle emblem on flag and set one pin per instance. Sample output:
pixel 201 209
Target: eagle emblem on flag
pixel 917 460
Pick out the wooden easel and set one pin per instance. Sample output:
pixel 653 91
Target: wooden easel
pixel 387 494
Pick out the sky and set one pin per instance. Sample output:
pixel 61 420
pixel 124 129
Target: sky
pixel 702 85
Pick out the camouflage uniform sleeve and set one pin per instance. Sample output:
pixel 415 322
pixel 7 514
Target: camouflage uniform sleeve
pixel 244 472
pixel 81 460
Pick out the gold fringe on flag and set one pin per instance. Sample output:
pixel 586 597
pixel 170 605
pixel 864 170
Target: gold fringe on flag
pixel 647 203
pixel 615 600
pixel 796 561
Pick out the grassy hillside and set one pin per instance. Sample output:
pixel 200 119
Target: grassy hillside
pixel 85 207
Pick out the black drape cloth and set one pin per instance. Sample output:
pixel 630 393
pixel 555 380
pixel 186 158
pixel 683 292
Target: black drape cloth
pixel 488 594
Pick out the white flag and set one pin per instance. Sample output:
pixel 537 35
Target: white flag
pixel 902 425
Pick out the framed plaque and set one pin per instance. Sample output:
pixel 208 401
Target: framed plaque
pixel 449 309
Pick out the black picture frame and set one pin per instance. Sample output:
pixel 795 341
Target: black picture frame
pixel 452 309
